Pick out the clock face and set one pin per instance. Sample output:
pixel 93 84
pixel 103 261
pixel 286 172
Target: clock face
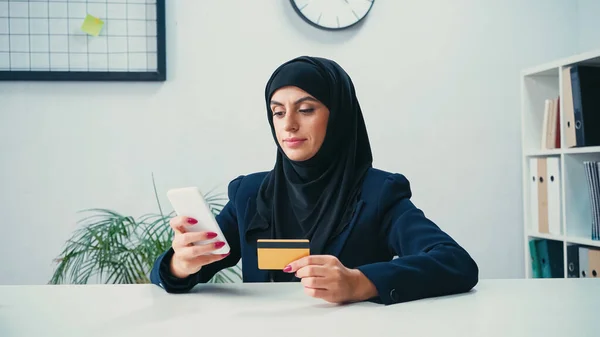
pixel 332 14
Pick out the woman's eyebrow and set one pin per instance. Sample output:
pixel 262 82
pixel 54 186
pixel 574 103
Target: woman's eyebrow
pixel 303 99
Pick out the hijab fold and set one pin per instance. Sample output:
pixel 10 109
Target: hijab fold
pixel 315 199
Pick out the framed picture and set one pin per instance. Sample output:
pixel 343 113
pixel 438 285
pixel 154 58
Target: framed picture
pixel 82 40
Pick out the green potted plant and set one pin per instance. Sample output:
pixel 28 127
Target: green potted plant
pixel 109 247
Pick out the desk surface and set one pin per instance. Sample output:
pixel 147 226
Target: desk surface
pixel 546 307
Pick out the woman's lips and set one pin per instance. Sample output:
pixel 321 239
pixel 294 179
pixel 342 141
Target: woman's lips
pixel 294 142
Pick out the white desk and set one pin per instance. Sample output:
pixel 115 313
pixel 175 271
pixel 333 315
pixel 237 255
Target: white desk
pixel 561 307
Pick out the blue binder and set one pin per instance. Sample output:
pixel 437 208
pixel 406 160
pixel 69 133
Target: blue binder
pixel 585 86
pixel 550 255
pixel 536 268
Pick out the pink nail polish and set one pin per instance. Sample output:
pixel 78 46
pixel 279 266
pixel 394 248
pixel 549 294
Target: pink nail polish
pixel 192 221
pixel 287 269
pixel 219 244
pixel 211 235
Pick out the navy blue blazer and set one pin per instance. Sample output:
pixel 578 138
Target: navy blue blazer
pixel 403 253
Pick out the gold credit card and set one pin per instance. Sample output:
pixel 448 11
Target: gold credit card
pixel 276 254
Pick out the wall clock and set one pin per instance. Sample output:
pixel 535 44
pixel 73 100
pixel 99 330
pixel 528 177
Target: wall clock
pixel 332 14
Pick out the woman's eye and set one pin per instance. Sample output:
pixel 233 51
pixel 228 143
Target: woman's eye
pixel 309 110
pixel 277 113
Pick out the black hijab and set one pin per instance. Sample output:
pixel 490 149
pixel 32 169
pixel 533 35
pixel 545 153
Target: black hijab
pixel 314 199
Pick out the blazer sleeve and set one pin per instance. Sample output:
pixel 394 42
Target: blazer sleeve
pixel 429 262
pixel 227 220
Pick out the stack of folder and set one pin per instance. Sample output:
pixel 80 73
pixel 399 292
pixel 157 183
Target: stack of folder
pixel 551 124
pixel 582 262
pixel 581 104
pixel 546 258
pixel 592 173
pixel 545 195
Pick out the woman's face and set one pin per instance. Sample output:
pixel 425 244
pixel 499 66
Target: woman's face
pixel 300 122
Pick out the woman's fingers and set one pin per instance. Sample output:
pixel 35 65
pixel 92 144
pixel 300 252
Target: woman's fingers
pixel 208 259
pixel 314 277
pixel 316 293
pixel 188 257
pixel 194 251
pixel 178 223
pixel 315 282
pixel 182 267
pixel 186 239
pixel 311 271
pixel 204 260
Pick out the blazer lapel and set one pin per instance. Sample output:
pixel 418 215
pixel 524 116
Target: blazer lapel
pixel 257 229
pixel 336 246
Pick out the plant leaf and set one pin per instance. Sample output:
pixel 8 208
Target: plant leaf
pixel 118 248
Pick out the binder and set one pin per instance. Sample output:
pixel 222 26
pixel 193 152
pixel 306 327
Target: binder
pixel 546 124
pixel 567 109
pixel 595 188
pixel 533 194
pixel 593 182
pixel 584 262
pixel 585 88
pixel 536 271
pixel 542 194
pixel 550 255
pixel 594 262
pixel 572 261
pixel 551 122
pixel 554 194
pixel 552 107
pixel 597 228
pixel 556 124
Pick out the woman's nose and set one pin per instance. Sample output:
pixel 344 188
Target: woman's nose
pixel 290 123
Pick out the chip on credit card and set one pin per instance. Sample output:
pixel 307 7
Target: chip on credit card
pixel 275 254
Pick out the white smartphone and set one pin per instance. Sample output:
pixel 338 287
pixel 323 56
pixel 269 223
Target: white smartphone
pixel 189 202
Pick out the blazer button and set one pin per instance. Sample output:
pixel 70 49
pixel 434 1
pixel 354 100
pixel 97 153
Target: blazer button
pixel 394 295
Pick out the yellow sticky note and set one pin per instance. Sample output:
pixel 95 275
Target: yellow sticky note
pixel 92 25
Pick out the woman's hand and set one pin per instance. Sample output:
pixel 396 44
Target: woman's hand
pixel 325 277
pixel 189 258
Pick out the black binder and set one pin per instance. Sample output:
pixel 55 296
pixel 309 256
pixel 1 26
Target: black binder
pixel 585 85
pixel 572 261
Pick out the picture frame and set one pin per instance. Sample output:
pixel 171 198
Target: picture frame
pixel 116 53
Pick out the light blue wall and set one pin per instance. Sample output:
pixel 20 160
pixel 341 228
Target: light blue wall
pixel 438 81
pixel 589 25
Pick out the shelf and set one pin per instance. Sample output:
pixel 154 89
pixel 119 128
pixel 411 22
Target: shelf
pixel 568 239
pixel 542 153
pixel 583 241
pixel 587 149
pixel 557 152
pixel 559 173
pixel 552 68
pixel 546 236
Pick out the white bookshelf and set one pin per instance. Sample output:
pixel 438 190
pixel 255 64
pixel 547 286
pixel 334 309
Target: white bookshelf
pixel 538 84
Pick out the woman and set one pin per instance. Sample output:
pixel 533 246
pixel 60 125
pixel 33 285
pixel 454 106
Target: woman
pixel 323 187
